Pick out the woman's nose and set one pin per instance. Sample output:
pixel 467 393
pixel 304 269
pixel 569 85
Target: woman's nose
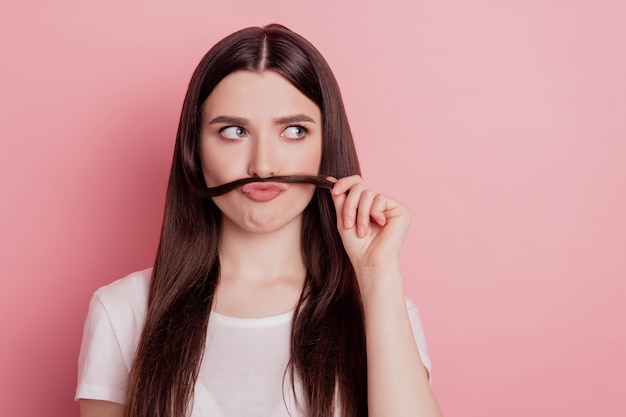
pixel 264 158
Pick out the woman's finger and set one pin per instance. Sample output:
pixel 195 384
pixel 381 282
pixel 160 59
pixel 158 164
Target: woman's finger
pixel 351 204
pixel 346 183
pixel 364 212
pixel 379 207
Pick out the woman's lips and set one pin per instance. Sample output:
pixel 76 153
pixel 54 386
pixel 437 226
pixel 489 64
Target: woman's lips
pixel 262 191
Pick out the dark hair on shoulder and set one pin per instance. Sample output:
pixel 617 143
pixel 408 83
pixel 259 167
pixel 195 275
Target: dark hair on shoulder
pixel 328 355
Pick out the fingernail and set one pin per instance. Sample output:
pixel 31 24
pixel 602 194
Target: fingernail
pixel 347 222
pixel 360 231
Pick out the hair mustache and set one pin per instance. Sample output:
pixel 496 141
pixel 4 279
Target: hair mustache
pixel 317 180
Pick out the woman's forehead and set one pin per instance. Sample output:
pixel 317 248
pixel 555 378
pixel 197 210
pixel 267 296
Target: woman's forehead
pixel 263 95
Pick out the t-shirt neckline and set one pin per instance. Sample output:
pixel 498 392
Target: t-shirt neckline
pixel 263 321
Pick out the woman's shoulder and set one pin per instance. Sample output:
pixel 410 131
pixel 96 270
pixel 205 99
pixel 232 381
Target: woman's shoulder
pixel 126 295
pixel 111 334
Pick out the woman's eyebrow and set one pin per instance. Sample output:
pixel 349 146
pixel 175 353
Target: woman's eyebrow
pixel 296 118
pixel 240 121
pixel 230 120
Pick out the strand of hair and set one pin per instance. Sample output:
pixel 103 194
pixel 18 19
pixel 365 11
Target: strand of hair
pixel 317 180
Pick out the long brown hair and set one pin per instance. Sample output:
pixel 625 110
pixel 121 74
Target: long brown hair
pixel 328 337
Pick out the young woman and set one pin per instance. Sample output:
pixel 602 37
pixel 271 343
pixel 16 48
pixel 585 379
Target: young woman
pixel 267 298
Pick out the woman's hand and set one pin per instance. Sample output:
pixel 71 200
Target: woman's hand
pixel 372 226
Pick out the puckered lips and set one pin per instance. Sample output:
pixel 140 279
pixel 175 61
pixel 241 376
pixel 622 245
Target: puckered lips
pixel 262 191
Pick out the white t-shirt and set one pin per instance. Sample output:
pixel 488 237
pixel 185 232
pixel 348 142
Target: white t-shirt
pixel 241 374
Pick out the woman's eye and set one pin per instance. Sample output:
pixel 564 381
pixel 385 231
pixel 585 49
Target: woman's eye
pixel 233 132
pixel 296 132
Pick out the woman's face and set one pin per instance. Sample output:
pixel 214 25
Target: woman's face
pixel 259 125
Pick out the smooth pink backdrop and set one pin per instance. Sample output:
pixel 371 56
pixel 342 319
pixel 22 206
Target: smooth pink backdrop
pixel 501 123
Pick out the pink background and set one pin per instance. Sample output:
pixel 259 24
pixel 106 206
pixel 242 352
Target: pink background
pixel 501 123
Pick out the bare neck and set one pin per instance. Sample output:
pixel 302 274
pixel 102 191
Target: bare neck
pixel 261 256
pixel 261 274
